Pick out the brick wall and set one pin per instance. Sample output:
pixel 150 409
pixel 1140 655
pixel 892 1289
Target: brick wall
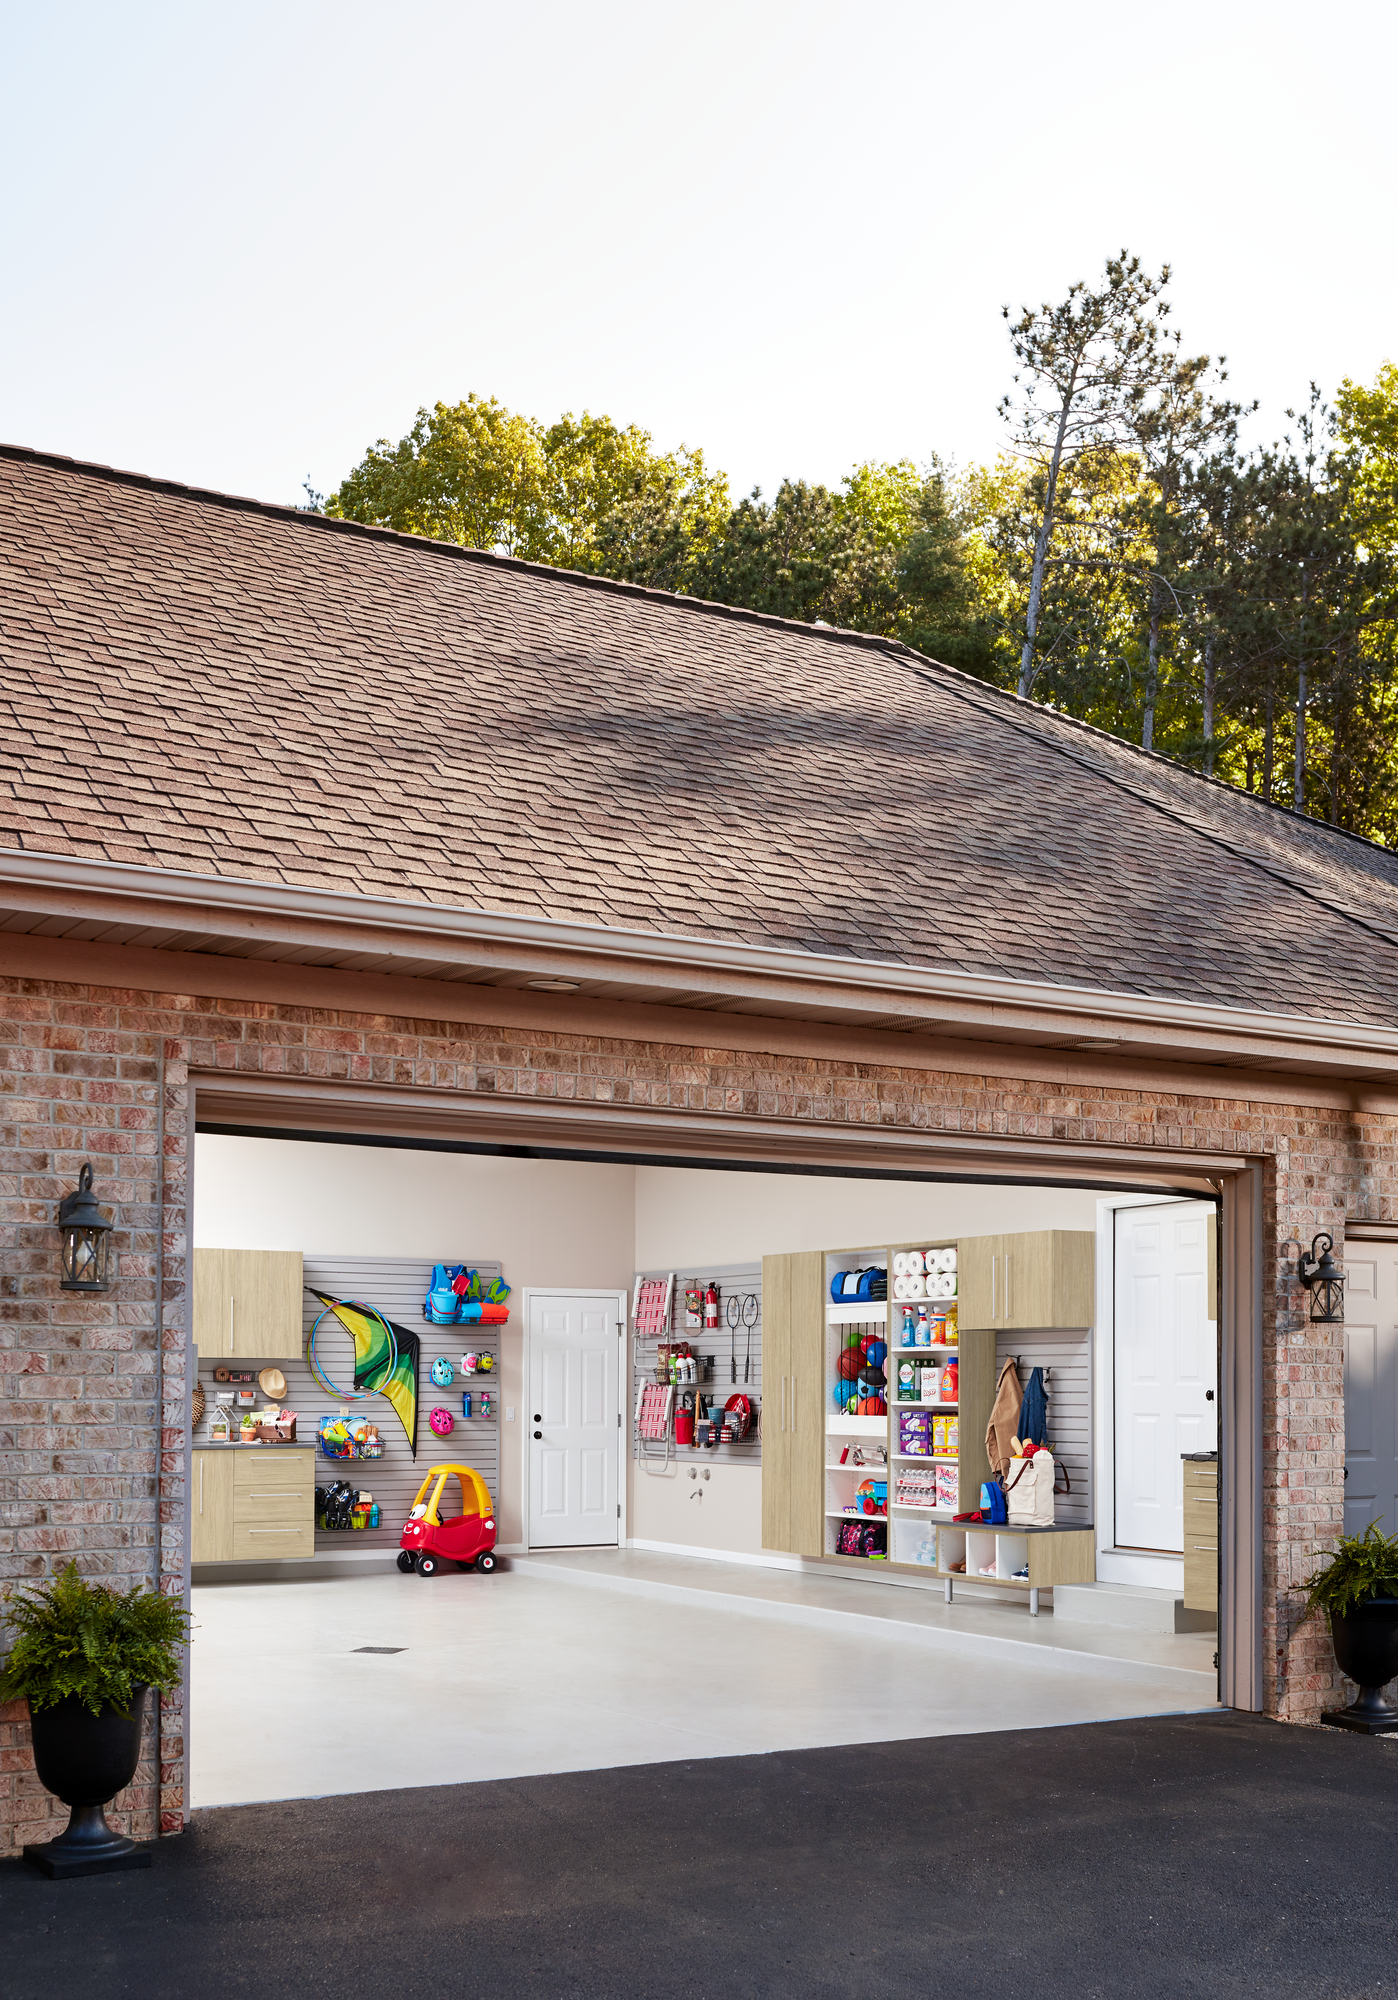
pixel 98 1073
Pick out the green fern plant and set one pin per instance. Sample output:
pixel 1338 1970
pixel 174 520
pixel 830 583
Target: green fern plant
pixel 1361 1566
pixel 86 1639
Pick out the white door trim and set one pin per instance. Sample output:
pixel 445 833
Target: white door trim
pixel 621 1300
pixel 1160 1572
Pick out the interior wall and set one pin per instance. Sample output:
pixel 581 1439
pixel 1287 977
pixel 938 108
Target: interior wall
pixel 549 1222
pixel 690 1214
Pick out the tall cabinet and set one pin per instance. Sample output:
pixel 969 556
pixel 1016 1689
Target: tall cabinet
pixel 793 1374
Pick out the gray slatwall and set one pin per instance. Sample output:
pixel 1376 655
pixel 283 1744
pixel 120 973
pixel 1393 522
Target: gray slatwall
pixel 729 1278
pixel 1068 1359
pixel 396 1286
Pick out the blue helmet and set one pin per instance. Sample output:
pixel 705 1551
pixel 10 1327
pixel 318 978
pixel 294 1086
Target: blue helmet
pixel 442 1372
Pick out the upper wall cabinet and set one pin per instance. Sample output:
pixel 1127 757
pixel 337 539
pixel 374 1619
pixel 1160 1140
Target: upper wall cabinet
pixel 247 1304
pixel 1041 1278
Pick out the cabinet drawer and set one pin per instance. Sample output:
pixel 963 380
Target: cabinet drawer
pixel 274 1469
pixel 292 1505
pixel 267 1541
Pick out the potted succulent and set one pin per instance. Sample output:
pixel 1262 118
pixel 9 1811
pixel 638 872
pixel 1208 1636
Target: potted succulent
pixel 85 1658
pixel 1358 1586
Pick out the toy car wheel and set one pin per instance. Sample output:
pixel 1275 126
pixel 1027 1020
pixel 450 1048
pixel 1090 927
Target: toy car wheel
pixel 485 1562
pixel 427 1565
pixel 406 1560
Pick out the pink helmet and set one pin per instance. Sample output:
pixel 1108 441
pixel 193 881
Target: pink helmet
pixel 442 1421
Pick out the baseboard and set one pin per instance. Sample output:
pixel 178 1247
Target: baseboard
pixel 757 1560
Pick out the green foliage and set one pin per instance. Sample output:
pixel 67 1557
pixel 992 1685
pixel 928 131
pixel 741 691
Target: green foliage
pixel 582 493
pixel 1362 1566
pixel 85 1639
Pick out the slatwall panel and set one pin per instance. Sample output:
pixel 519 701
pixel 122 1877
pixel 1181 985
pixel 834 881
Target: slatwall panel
pixel 729 1278
pixel 1068 1359
pixel 397 1287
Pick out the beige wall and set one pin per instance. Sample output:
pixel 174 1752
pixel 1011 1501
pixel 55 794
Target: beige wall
pixel 686 1214
pixel 548 1221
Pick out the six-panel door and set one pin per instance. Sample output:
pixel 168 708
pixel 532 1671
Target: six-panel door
pixel 574 1440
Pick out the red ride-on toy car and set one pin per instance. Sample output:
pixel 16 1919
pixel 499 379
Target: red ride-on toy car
pixel 428 1539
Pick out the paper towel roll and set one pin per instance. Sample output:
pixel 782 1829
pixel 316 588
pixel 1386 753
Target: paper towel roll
pixel 917 1287
pixel 916 1265
pixel 950 1256
pixel 936 1261
pixel 946 1286
pixel 900 1263
pixel 900 1287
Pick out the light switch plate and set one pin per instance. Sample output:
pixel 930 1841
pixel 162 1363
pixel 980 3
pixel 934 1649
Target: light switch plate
pixel 509 1413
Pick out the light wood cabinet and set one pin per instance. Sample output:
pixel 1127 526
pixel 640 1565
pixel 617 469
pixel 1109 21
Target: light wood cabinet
pixel 1036 1278
pixel 211 1511
pixel 793 1403
pixel 1201 1535
pixel 247 1304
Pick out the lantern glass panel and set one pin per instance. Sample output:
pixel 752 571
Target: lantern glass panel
pixel 85 1259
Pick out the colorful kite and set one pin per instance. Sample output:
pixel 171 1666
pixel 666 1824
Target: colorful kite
pixel 378 1369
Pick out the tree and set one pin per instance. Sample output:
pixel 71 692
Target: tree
pixel 1175 420
pixel 583 493
pixel 1082 364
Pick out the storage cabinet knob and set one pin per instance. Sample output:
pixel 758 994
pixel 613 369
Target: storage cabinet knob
pixel 538 1434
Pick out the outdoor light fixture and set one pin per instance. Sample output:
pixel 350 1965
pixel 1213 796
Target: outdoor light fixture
pixel 87 1237
pixel 1325 1282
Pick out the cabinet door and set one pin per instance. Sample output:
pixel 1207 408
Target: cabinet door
pixel 1025 1286
pixel 1047 1278
pixel 265 1304
pixel 211 1512
pixel 213 1296
pixel 979 1294
pixel 776 1388
pixel 806 1405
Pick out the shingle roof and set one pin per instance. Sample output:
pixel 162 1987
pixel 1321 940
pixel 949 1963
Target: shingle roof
pixel 194 682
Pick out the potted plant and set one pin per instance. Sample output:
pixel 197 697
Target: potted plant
pixel 1358 1586
pixel 85 1658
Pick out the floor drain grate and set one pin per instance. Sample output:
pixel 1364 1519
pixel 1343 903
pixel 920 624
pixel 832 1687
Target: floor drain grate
pixel 378 1649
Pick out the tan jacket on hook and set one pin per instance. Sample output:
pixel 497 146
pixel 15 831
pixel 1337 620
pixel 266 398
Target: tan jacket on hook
pixel 1004 1417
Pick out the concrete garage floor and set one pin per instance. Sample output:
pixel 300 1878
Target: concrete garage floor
pixel 1174 1858
pixel 578 1662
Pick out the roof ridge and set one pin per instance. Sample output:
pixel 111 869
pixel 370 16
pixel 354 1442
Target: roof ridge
pixel 590 580
pixel 1272 870
pixel 306 517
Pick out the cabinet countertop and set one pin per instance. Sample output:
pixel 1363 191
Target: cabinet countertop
pixel 240 1446
pixel 1200 1457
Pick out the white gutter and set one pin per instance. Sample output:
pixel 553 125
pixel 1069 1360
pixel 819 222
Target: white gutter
pixel 58 885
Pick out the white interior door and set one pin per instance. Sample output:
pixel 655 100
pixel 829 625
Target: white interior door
pixel 1371 1386
pixel 574 1436
pixel 1165 1367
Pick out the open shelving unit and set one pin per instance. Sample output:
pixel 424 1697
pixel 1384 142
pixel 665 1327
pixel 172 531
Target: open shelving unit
pixel 919 1535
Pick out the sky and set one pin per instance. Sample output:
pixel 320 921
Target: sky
pixel 238 243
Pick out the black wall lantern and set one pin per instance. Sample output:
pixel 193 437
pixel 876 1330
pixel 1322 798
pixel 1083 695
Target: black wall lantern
pixel 1325 1281
pixel 87 1238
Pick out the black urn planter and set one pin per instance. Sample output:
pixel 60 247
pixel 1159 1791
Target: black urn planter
pixel 1366 1647
pixel 85 1760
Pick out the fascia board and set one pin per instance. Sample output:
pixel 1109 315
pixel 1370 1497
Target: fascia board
pixel 279 914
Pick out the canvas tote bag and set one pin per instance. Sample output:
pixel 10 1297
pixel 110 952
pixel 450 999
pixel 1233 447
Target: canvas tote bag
pixel 1029 1491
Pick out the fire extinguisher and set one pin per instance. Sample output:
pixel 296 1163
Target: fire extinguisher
pixel 711 1308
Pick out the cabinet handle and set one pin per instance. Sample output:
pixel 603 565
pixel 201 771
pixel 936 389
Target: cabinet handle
pixel 272 1531
pixel 993 1262
pixel 281 1494
pixel 201 1482
pixel 230 1323
pixel 1007 1287
pixel 783 1402
pixel 793 1406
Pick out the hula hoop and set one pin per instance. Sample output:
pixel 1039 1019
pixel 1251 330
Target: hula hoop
pixel 333 1388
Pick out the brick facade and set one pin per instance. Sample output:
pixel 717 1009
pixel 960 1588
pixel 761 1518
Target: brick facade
pixel 102 1074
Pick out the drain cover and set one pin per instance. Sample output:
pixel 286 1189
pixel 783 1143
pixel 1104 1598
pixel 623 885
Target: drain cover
pixel 379 1649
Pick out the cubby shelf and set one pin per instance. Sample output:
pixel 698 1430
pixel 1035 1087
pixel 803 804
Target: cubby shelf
pixel 839 1514
pixel 864 1313
pixel 924 1458
pixel 924 1403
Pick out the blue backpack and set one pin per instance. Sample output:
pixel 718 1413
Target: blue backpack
pixel 993 1502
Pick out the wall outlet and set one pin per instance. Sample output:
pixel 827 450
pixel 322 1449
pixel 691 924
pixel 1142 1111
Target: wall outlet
pixel 509 1413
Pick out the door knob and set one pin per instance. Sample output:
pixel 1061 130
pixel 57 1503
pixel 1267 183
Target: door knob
pixel 1208 1395
pixel 538 1434
pixel 537 1418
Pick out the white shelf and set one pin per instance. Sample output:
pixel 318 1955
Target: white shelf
pixel 932 1513
pixel 856 1427
pixel 923 1458
pixel 860 1314
pixel 942 1347
pixel 928 1403
pixel 838 1514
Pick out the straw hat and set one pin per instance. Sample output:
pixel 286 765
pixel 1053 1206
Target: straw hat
pixel 272 1383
